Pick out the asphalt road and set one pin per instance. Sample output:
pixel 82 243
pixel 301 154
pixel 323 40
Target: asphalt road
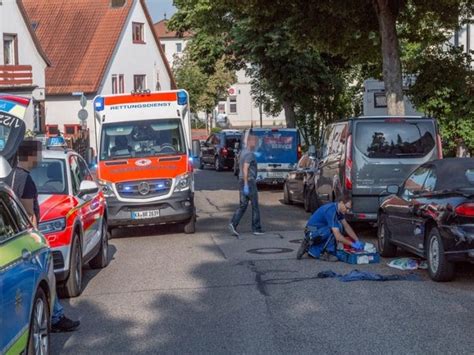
pixel 166 292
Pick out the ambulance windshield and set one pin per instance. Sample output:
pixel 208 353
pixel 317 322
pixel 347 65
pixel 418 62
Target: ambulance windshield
pixel 138 139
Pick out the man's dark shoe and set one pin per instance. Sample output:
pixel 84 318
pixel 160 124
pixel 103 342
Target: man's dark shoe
pixel 65 325
pixel 328 257
pixel 303 248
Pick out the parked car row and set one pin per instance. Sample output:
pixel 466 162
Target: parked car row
pixel 277 153
pixel 394 171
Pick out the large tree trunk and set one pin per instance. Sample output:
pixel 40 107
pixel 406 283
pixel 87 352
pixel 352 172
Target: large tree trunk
pixel 290 115
pixel 387 12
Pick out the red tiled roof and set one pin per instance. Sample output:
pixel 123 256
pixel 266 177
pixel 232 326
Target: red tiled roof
pixel 162 31
pixel 79 38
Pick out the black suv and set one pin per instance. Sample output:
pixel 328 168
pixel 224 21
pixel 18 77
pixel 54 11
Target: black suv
pixel 218 149
pixel 363 155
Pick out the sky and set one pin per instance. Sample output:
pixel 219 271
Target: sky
pixel 158 8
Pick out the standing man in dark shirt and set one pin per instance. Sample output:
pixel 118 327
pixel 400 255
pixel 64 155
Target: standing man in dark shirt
pixel 29 155
pixel 248 188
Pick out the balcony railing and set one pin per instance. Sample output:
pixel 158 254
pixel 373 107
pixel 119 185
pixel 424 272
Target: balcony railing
pixel 15 75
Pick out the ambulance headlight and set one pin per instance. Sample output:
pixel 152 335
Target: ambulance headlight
pixel 107 188
pixel 52 226
pixel 183 182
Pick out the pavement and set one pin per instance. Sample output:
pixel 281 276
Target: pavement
pixel 167 292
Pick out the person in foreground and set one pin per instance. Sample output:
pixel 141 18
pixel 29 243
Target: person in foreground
pixel 29 155
pixel 248 188
pixel 325 228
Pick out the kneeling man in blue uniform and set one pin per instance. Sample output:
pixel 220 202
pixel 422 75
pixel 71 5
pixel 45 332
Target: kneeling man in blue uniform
pixel 325 228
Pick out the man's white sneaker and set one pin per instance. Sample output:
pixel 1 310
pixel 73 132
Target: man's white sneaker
pixel 258 232
pixel 232 230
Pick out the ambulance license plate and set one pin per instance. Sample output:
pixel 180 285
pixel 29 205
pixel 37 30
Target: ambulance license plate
pixel 276 174
pixel 145 214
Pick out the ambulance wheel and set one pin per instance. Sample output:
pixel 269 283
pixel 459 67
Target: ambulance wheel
pixel 217 164
pixel 386 248
pixel 190 226
pixel 73 286
pixel 101 260
pixel 286 195
pixel 38 342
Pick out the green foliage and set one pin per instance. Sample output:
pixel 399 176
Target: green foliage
pixel 445 89
pixel 216 129
pixel 204 89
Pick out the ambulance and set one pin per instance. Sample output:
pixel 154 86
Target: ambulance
pixel 144 158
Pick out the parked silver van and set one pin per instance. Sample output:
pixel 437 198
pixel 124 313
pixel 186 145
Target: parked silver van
pixel 363 155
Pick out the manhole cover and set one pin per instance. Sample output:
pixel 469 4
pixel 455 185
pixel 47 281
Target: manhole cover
pixel 265 251
pixel 296 241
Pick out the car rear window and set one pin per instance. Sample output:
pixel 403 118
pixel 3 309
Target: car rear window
pixel 277 146
pixel 395 139
pixel 231 140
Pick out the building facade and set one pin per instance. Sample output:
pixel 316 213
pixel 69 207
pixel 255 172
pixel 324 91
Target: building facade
pixel 99 47
pixel 238 110
pixel 173 43
pixel 22 61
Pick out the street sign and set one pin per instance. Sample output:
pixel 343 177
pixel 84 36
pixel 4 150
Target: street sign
pixel 83 101
pixel 82 114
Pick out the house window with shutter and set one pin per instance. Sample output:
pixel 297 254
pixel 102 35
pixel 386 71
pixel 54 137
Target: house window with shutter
pixel 114 84
pixel 138 32
pixel 121 84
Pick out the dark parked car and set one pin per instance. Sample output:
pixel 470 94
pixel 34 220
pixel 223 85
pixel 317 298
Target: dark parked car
pixel 218 149
pixel 362 156
pixel 432 215
pixel 299 185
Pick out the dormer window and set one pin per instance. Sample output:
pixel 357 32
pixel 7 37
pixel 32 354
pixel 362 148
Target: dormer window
pixel 138 32
pixel 117 3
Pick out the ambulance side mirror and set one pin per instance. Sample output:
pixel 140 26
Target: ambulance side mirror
pixel 196 148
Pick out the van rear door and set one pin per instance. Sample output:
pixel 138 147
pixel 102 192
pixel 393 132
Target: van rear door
pixel 385 151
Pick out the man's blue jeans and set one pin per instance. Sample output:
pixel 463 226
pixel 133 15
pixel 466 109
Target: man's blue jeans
pixel 244 202
pixel 58 311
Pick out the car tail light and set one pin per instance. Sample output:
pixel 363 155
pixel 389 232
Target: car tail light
pixel 224 151
pixel 439 144
pixel 465 210
pixel 299 152
pixel 348 170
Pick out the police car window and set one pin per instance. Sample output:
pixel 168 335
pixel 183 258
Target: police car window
pixel 50 177
pixel 75 175
pixel 84 170
pixel 8 227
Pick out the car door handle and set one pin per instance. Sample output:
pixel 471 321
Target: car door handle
pixel 25 254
